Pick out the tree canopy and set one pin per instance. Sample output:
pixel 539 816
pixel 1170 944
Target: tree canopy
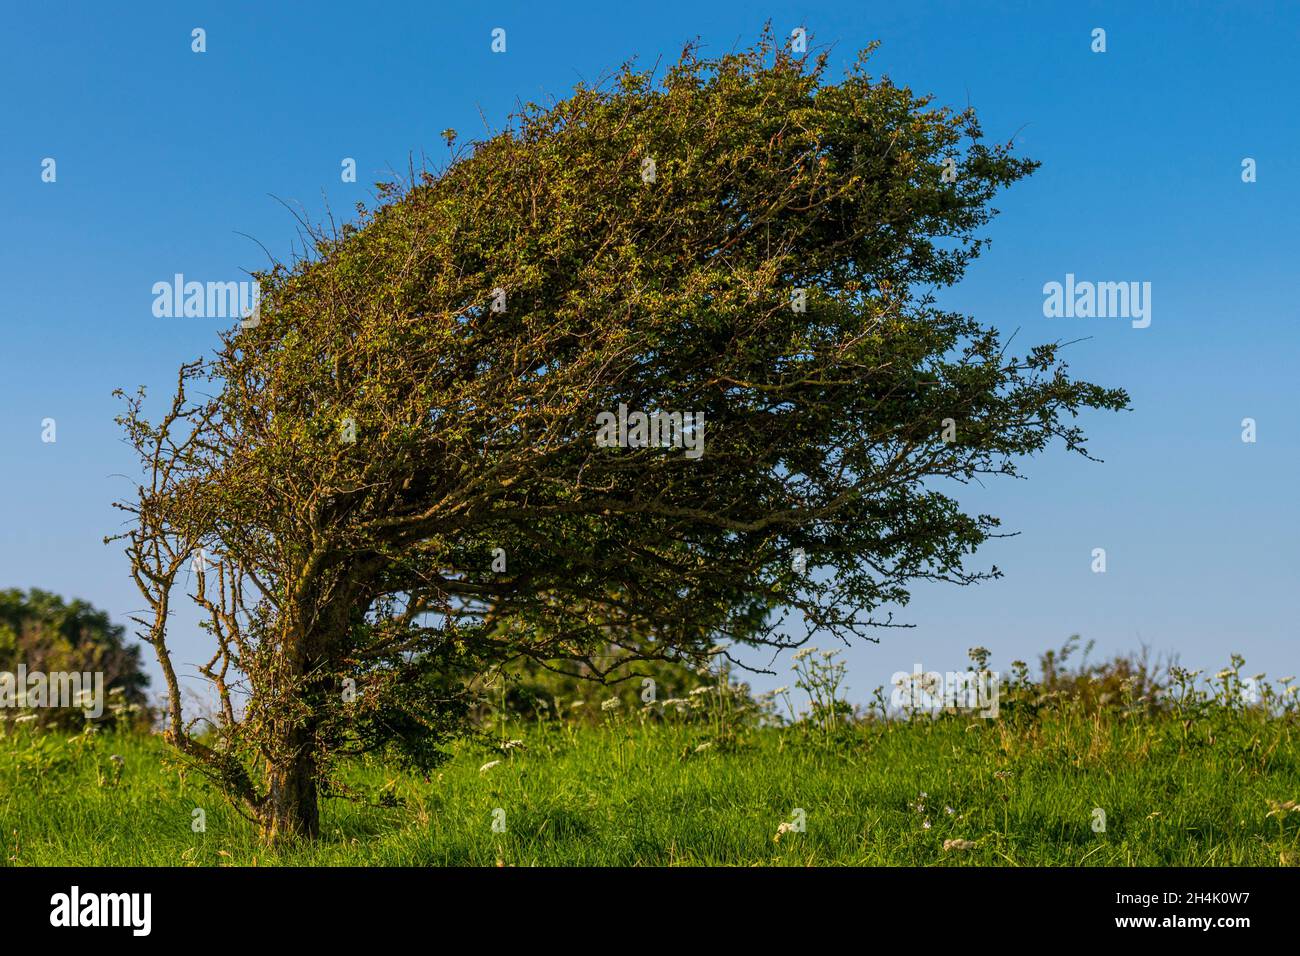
pixel 47 634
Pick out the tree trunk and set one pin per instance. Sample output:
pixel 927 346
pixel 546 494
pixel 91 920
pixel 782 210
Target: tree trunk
pixel 292 808
pixel 292 811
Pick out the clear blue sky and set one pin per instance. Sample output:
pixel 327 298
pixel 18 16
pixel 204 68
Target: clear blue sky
pixel 166 156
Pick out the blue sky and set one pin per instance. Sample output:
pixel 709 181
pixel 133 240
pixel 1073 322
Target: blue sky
pixel 168 160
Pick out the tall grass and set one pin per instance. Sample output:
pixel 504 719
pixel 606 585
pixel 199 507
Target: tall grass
pixel 1198 773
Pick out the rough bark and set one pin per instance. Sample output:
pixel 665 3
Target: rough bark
pixel 292 809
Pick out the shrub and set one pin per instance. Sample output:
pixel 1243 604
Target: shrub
pixel 43 632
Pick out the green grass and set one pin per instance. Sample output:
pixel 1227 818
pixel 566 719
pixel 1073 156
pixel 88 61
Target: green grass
pixel 1174 792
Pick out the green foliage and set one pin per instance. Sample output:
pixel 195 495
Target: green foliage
pixel 559 690
pixel 643 788
pixel 47 634
pixel 421 395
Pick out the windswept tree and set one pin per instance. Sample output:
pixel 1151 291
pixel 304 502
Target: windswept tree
pixel 405 472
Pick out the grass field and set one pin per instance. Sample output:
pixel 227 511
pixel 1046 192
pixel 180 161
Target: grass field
pixel 1215 787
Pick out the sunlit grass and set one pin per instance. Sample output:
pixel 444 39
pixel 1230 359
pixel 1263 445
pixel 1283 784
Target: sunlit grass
pixel 639 793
